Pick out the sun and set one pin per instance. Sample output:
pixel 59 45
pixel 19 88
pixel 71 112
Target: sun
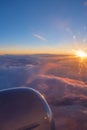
pixel 81 54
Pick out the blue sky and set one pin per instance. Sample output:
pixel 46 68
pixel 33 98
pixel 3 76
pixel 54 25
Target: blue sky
pixel 41 26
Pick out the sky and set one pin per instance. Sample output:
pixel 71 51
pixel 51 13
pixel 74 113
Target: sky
pixel 42 26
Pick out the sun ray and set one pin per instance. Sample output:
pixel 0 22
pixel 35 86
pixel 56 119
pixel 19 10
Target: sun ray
pixel 81 53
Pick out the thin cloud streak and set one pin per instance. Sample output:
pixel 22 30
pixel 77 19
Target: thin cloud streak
pixel 39 37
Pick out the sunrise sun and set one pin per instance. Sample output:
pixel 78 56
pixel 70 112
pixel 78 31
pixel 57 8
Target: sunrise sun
pixel 81 53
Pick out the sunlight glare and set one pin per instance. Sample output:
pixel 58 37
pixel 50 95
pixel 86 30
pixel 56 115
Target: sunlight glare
pixel 81 54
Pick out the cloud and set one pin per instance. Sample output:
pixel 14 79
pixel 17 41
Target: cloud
pixel 85 3
pixel 65 92
pixel 39 37
pixel 84 40
pixel 74 37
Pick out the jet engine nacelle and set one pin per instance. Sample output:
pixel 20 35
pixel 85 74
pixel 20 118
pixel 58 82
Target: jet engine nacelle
pixel 24 109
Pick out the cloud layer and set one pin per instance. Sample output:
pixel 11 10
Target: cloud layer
pixel 61 79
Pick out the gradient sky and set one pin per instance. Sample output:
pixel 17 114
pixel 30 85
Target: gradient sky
pixel 42 26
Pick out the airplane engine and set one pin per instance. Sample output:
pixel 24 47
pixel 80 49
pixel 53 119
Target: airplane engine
pixel 24 109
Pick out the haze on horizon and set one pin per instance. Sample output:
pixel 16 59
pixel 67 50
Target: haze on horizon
pixel 48 26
